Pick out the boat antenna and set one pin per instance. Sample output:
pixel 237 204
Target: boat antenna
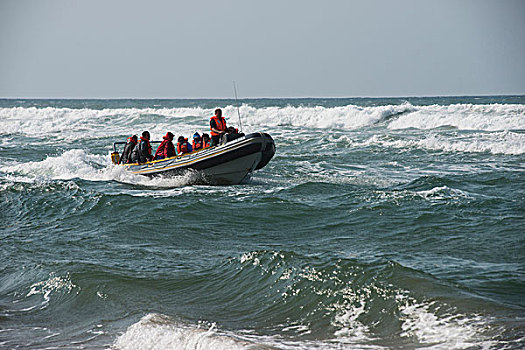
pixel 237 103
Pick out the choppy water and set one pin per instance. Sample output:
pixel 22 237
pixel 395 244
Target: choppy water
pixel 380 223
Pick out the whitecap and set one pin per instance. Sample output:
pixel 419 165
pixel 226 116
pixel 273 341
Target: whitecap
pixel 156 331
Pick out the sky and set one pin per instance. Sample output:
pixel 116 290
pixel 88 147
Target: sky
pixel 284 48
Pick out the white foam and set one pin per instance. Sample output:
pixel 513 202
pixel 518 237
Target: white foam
pixel 69 123
pixel 77 163
pixel 52 284
pixel 503 142
pixel 343 117
pixel 351 330
pixel 443 193
pixel 73 124
pixel 71 164
pixel 447 331
pixel 491 117
pixel 156 331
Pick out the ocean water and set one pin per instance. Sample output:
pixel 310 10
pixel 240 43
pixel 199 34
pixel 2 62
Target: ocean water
pixel 379 224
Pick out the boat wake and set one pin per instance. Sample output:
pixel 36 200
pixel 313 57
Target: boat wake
pixel 79 164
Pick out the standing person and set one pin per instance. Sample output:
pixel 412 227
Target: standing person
pixel 166 148
pixel 217 127
pixel 142 153
pixel 128 150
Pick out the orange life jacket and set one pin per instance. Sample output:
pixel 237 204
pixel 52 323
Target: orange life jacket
pixel 197 145
pixel 182 147
pixel 221 125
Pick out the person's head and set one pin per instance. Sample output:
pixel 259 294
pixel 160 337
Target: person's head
pixel 196 136
pixel 205 137
pixel 169 136
pixel 135 138
pixel 180 139
pixel 145 134
pixel 218 112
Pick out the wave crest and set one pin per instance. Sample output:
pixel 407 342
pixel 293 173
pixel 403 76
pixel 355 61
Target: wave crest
pixel 156 331
pixel 49 120
pixel 504 142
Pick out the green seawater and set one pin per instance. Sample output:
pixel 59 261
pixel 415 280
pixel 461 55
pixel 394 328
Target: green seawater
pixel 379 224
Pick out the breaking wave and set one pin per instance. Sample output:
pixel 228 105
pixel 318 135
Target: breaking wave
pixel 504 142
pixel 156 331
pixel 74 123
pixel 345 117
pixel 492 117
pixel 329 306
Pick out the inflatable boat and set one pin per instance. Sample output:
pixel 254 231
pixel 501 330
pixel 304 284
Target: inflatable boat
pixel 226 164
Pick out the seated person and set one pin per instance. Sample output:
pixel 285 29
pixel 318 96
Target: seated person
pixel 183 146
pixel 142 153
pixel 128 150
pixel 166 148
pixel 197 141
pixel 231 134
pixel 206 142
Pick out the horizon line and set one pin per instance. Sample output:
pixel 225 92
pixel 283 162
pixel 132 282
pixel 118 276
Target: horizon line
pixel 257 98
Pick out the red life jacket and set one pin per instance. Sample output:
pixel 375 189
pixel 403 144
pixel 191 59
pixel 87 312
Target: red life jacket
pixel 166 148
pixel 160 150
pixel 169 151
pixel 221 125
pixel 205 144
pixel 147 142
